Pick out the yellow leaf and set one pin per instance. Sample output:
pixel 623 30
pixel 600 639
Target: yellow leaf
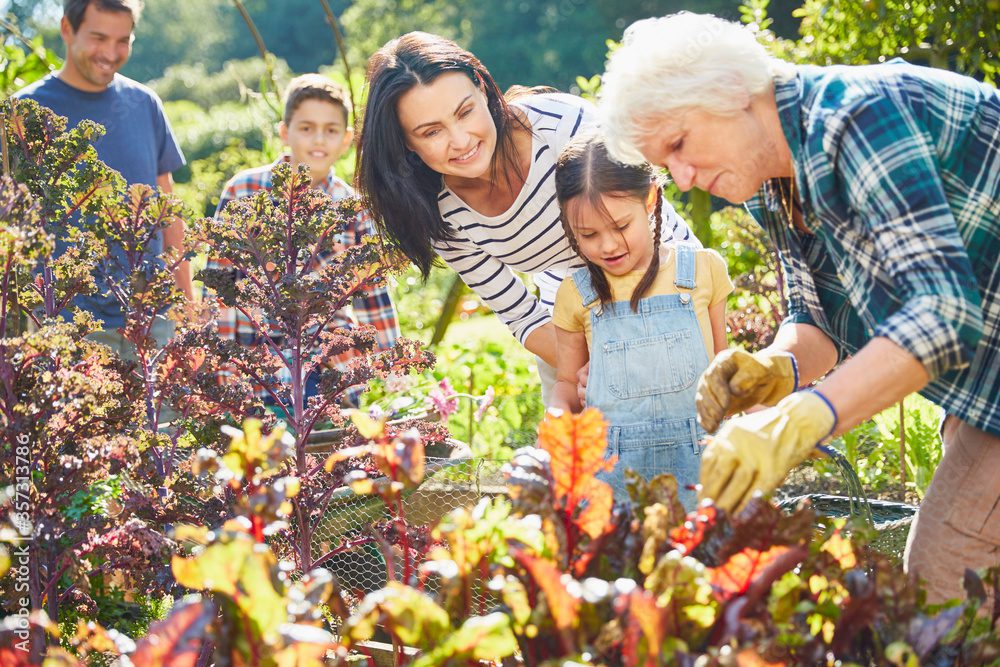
pixel 368 428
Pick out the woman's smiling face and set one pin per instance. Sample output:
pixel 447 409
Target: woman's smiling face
pixel 447 123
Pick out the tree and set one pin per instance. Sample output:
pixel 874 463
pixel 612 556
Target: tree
pixel 368 24
pixel 960 36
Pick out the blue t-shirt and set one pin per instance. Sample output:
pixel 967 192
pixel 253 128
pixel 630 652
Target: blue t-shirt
pixel 138 143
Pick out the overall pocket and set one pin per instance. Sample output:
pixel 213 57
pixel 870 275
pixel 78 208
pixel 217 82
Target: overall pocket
pixel 660 364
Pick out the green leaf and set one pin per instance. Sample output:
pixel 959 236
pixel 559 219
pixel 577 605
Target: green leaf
pixel 480 638
pixel 241 570
pixel 412 616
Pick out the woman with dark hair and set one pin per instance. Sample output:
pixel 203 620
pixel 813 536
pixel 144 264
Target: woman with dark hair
pixel 449 167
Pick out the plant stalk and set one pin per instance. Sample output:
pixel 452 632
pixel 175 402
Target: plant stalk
pixel 902 442
pixel 338 36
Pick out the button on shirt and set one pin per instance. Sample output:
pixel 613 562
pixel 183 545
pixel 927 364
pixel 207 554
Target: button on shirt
pixel 898 174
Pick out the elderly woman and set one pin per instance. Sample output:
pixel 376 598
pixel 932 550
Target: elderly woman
pixel 880 187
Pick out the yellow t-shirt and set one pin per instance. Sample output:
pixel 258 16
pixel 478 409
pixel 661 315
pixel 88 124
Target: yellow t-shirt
pixel 712 285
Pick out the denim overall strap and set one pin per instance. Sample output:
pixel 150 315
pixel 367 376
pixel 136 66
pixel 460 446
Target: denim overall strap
pixel 585 286
pixel 684 276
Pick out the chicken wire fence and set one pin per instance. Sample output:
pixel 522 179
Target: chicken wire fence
pixel 452 483
pixel 449 484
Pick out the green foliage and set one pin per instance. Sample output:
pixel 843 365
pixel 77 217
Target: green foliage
pixel 95 499
pixel 873 449
pixel 368 24
pixel 756 307
pixel 474 368
pixel 418 303
pixel 199 185
pixel 235 82
pixel 186 33
pixel 212 31
pixel 202 132
pixel 961 36
pixel 20 65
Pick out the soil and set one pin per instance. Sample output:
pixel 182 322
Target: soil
pixel 805 480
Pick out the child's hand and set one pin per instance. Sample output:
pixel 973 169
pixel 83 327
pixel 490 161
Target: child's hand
pixel 582 376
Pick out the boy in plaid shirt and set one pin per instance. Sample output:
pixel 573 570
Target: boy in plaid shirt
pixel 316 131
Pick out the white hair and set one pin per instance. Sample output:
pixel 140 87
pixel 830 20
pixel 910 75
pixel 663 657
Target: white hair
pixel 677 62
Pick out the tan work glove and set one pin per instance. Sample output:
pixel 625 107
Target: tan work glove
pixel 755 452
pixel 737 380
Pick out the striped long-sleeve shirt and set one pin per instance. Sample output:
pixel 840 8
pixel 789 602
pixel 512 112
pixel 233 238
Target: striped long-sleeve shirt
pixel 528 237
pixel 899 172
pixel 374 308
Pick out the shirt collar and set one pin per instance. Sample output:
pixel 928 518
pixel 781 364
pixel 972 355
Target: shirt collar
pixel 788 98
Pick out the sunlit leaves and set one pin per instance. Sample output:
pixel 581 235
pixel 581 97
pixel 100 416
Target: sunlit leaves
pixel 412 616
pixel 177 640
pixel 577 445
pixel 562 605
pixel 478 638
pixel 240 569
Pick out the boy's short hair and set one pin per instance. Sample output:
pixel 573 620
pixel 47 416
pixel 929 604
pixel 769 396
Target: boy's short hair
pixel 314 87
pixel 74 10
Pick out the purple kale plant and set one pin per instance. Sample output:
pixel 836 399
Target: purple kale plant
pixel 288 274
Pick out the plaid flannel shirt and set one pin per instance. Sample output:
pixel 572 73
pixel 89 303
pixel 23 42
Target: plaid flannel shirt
pixel 898 176
pixel 374 308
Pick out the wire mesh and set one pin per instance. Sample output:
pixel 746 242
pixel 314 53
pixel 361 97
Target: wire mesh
pixel 449 484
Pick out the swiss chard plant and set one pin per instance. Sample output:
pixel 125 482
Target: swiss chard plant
pixel 560 573
pixel 243 605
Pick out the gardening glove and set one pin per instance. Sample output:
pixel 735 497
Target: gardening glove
pixel 737 380
pixel 754 452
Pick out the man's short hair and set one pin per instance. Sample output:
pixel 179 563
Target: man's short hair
pixel 314 87
pixel 74 10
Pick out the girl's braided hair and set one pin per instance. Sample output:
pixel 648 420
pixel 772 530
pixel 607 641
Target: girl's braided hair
pixel 584 169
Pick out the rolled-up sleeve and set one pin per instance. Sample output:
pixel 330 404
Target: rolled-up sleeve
pixel 887 163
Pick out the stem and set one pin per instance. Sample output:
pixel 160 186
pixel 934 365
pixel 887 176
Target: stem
pixel 407 566
pixel 3 146
pixel 4 292
pixel 338 36
pixel 305 536
pixel 472 412
pixel 902 442
pixel 38 636
pixel 260 43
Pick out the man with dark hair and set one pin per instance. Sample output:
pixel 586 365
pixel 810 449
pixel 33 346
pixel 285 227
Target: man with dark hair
pixel 138 141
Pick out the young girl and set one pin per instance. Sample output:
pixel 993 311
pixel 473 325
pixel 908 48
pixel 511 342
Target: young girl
pixel 449 167
pixel 652 315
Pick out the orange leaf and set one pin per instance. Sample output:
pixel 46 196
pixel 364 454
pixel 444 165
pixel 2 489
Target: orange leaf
pixel 686 537
pixel 564 607
pixel 841 549
pixel 577 444
pixel 735 575
pixel 645 621
pixel 596 514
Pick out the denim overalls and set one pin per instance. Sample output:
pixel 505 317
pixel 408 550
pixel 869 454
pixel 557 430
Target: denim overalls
pixel 644 369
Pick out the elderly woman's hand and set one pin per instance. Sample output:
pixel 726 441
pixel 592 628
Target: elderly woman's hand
pixel 754 452
pixel 737 380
